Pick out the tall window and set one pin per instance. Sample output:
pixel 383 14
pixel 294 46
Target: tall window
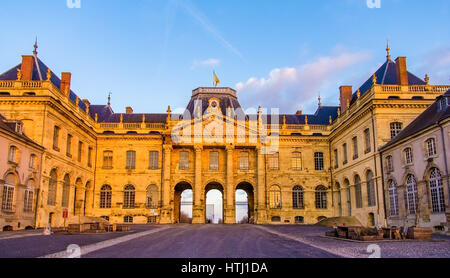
pixel 69 145
pixel 370 189
pixel 297 197
pixel 105 196
pixel 408 156
pixel 8 193
pixel 131 160
pixel 431 147
pixel 321 197
pixel 28 197
pixel 355 147
pixel 128 196
pixel 396 127
pixel 12 154
pixel 344 150
pixel 393 198
pixel 66 191
pixel 336 159
pixel 152 196
pixel 437 191
pixel 411 191
pixel 358 193
pixel 274 161
pixel 90 157
pixel 153 160
pixel 367 140
pixel 56 130
pixel 52 185
pixel 213 160
pixel 243 160
pixel 107 159
pixel 184 160
pixel 275 197
pixel 389 164
pixel 296 161
pixel 349 197
pixel 32 164
pixel 80 150
pixel 318 161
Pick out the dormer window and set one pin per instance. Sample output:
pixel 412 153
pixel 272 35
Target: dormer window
pixel 19 127
pixel 443 103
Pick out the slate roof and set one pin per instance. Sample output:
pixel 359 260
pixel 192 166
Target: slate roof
pixel 428 118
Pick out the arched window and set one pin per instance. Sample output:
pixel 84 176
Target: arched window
pixel 431 147
pixel 297 197
pixel 411 191
pixel 275 197
pixel 396 127
pixel 8 193
pixel 349 197
pixel 437 191
pixel 358 193
pixel 128 219
pixel 321 197
pixel 276 219
pixel 12 154
pixel 28 197
pixel 105 196
pixel 393 198
pixel 408 156
pixel 128 196
pixel 370 189
pixel 152 196
pixel 299 220
pixel 296 161
pixel 52 186
pixel 66 191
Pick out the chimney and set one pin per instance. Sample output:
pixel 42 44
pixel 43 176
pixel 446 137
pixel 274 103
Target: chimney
pixel 129 110
pixel 345 96
pixel 65 83
pixel 299 112
pixel 27 67
pixel 402 73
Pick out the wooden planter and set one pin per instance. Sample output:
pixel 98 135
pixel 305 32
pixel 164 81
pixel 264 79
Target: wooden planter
pixel 418 233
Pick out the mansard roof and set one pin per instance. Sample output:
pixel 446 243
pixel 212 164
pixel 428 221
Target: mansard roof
pixel 432 115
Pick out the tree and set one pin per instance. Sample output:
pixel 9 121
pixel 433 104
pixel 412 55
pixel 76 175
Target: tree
pixel 184 218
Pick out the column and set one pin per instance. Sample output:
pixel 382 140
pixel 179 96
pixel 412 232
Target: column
pixel 166 210
pixel 229 211
pixel 79 199
pixel 261 215
pixel 198 214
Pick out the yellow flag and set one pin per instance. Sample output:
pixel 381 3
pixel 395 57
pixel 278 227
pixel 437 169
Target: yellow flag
pixel 216 79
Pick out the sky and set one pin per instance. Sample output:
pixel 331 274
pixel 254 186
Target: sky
pixel 277 54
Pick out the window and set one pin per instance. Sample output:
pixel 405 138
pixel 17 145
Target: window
pixel 128 196
pixel 349 197
pixel 128 219
pixel 396 127
pixel 344 148
pixel 153 160
pixel 8 193
pixel 367 140
pixel 411 191
pixel 80 150
pixel 393 198
pixel 107 159
pixel 389 164
pixel 431 147
pixel 32 164
pixel 65 192
pixel 321 197
pixel 131 160
pixel 336 161
pixel 12 154
pixel 275 219
pixel 299 220
pixel 318 161
pixel 69 145
pixel 408 156
pixel 28 197
pixel 274 161
pixel 297 197
pixel 213 160
pixel 355 147
pixel 275 197
pixel 152 197
pixel 56 130
pixel 442 103
pixel 370 189
pixel 243 160
pixel 184 160
pixel 297 161
pixel 52 183
pixel 358 193
pixel 437 191
pixel 105 196
pixel 90 157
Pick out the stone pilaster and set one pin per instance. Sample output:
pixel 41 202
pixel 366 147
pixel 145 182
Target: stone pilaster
pixel 198 215
pixel 229 211
pixel 261 216
pixel 79 200
pixel 166 210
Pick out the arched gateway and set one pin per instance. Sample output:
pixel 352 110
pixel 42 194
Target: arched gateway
pixel 180 188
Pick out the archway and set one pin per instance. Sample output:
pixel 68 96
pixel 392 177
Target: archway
pixel 244 203
pixel 183 200
pixel 214 203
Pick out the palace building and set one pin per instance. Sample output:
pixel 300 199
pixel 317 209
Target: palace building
pixel 132 168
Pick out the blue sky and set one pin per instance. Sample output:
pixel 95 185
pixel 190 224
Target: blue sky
pixel 152 53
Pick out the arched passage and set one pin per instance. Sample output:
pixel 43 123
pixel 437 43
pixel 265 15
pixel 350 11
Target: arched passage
pixel 183 199
pixel 244 203
pixel 214 203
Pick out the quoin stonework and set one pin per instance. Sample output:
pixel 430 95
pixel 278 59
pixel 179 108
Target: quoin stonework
pixel 90 161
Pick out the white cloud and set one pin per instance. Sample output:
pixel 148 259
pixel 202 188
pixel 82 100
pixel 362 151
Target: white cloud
pixel 436 63
pixel 211 62
pixel 290 87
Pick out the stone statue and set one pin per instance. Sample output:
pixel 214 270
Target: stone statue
pixel 19 74
pixel 49 74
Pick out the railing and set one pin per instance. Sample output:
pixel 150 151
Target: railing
pixel 6 84
pixel 109 125
pixel 155 125
pixel 415 88
pixel 131 125
pixel 32 84
pixel 391 88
